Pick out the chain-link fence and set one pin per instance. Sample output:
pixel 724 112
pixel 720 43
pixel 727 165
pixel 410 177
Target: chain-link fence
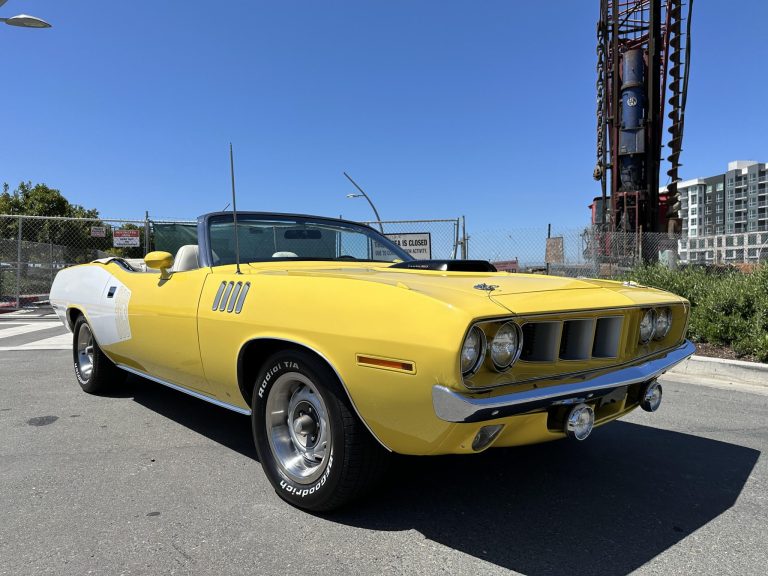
pixel 571 252
pixel 596 253
pixel 425 239
pixel 33 249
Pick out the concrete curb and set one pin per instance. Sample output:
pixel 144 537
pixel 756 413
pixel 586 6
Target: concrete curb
pixel 738 371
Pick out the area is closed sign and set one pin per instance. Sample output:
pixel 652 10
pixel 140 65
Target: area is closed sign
pixel 418 244
pixel 125 238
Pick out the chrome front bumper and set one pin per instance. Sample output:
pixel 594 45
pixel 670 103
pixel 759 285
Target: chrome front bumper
pixel 453 406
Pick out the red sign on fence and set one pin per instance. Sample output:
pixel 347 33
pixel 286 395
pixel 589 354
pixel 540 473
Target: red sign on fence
pixel 125 238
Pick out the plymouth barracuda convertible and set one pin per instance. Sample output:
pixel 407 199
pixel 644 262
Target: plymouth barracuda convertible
pixel 342 348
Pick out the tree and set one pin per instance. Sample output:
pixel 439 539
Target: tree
pixel 71 236
pixel 40 200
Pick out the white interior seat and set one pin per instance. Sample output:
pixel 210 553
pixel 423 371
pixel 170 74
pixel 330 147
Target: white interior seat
pixel 187 258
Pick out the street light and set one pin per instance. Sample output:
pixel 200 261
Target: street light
pixel 364 195
pixel 24 20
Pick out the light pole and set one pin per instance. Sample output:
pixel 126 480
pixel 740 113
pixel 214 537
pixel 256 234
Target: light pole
pixel 24 20
pixel 364 195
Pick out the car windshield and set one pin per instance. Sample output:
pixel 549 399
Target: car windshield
pixel 266 237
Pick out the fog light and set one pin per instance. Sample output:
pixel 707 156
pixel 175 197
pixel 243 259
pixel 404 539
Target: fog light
pixel 651 397
pixel 485 436
pixel 580 421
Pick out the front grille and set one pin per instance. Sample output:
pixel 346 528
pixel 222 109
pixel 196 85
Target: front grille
pixel 575 339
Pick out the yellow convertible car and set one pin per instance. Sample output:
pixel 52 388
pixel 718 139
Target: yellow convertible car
pixel 342 348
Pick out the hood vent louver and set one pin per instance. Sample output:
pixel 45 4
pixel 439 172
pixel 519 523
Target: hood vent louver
pixel 230 297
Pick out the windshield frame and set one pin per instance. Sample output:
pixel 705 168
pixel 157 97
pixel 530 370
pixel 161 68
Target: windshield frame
pixel 206 251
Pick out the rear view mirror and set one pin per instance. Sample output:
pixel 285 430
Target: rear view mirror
pixel 302 234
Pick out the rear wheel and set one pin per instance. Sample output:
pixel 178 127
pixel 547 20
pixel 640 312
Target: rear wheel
pixel 315 451
pixel 94 371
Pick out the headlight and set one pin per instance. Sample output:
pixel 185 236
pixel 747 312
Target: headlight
pixel 472 351
pixel 504 346
pixel 647 325
pixel 663 323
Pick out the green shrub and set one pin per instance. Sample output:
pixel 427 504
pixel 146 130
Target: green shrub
pixel 728 307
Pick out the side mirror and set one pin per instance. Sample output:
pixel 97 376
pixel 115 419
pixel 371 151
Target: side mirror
pixel 160 261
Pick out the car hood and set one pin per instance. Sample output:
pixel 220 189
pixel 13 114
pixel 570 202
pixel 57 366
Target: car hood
pixel 517 293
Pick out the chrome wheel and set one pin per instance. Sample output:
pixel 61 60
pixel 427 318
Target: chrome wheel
pixel 297 428
pixel 85 351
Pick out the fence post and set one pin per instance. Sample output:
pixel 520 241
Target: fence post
pixel 455 239
pixel 549 235
pixel 18 266
pixel 146 232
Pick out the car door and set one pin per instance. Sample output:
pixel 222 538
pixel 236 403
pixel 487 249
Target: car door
pixel 163 324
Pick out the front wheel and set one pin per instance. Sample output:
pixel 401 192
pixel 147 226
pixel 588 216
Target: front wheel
pixel 314 449
pixel 94 371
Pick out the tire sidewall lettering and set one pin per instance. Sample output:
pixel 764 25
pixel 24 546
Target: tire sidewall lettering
pixel 275 370
pixel 291 490
pixel 301 490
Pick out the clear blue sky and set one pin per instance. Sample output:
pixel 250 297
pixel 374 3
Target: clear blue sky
pixel 437 108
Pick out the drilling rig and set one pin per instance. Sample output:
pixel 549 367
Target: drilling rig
pixel 643 56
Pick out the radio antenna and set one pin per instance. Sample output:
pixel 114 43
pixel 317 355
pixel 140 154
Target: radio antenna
pixel 234 207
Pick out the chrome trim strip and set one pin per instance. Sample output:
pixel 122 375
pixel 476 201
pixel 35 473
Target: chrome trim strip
pixel 241 299
pixel 452 406
pixel 192 393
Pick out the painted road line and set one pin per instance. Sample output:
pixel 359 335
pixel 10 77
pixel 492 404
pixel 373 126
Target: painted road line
pixel 60 342
pixel 27 328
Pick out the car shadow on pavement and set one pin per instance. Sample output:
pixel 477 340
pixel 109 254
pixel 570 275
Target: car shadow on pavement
pixel 218 424
pixel 607 505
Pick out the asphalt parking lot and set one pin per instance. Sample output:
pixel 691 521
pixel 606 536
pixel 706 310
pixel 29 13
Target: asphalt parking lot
pixel 149 481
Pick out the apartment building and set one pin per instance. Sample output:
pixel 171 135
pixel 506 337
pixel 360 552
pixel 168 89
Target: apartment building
pixel 725 217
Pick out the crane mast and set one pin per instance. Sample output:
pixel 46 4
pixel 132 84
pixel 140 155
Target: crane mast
pixel 643 60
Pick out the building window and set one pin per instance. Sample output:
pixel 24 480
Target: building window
pixel 709 189
pixel 719 219
pixel 719 207
pixel 730 193
pixel 719 187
